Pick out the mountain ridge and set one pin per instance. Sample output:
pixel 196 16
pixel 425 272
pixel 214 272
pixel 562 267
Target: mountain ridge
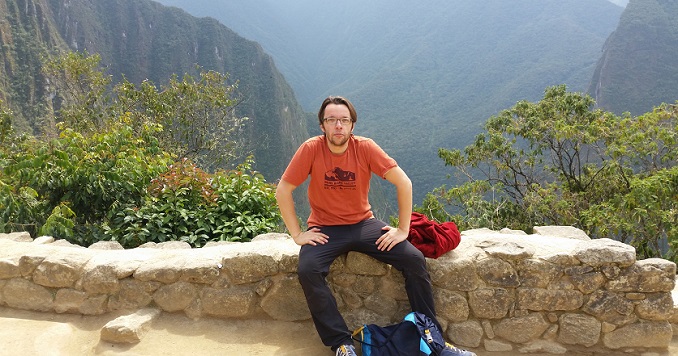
pixel 638 68
pixel 144 40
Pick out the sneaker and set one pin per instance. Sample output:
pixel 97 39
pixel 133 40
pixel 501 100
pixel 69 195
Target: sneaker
pixel 451 350
pixel 346 350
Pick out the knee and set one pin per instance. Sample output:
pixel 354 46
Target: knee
pixel 414 263
pixel 307 270
pixel 415 259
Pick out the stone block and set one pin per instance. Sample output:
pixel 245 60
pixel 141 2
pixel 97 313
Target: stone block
pixel 609 306
pixel 496 272
pixel 21 236
pixel 133 294
pixel 60 269
pixel 164 269
pixel 130 328
pixel 539 299
pixel 69 300
pixel 9 268
pixel 579 329
pixel 537 273
pixel 43 240
pixel 522 329
pixel 491 303
pixel 655 306
pixel 175 297
pixel 23 294
pixel 101 279
pixel 234 302
pixel 249 268
pixel 458 274
pixel 568 232
pixel 202 270
pixel 651 275
pixel 600 252
pixel 467 334
pixel 106 245
pixel 451 306
pixel 640 334
pixel 285 300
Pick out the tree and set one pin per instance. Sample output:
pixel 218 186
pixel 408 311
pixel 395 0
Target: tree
pixel 79 91
pixel 197 116
pixel 561 162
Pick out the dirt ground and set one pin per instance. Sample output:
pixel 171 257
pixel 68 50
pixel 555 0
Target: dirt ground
pixel 48 334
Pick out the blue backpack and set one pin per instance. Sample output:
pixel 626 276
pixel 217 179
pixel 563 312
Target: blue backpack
pixel 417 334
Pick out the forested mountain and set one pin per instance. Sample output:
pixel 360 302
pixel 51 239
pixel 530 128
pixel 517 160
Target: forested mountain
pixel 423 75
pixel 639 66
pixel 140 40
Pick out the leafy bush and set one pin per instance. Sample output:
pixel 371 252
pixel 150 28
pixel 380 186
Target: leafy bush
pixel 188 204
pixel 108 174
pixel 561 162
pixel 67 186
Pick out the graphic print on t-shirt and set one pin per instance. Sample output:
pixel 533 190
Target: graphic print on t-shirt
pixel 339 179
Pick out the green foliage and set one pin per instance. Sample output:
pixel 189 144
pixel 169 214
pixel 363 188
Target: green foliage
pixel 560 162
pixel 187 204
pixel 80 179
pixel 19 210
pixel 60 223
pixel 643 216
pixel 108 174
pixel 5 123
pixel 198 116
pixel 81 102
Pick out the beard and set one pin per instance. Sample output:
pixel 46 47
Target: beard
pixel 337 141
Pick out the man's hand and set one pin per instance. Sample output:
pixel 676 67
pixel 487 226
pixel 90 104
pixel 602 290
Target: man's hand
pixel 312 237
pixel 391 237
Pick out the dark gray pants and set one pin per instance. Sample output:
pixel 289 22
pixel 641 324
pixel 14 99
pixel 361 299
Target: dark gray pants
pixel 314 265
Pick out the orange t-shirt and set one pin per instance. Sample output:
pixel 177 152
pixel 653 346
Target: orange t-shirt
pixel 339 184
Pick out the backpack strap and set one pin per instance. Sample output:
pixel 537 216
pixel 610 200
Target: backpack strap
pixel 361 331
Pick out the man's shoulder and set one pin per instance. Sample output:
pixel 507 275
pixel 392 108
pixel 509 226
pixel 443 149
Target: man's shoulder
pixel 314 141
pixel 364 142
pixel 363 139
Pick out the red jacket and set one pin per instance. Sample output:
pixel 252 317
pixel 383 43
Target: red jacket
pixel 433 239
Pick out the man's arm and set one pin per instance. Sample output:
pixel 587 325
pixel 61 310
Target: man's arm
pixel 283 194
pixel 403 185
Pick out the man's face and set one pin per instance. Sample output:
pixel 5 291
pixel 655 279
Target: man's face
pixel 337 133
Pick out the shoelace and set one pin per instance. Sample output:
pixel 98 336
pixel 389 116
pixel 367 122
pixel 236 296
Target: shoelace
pixel 344 350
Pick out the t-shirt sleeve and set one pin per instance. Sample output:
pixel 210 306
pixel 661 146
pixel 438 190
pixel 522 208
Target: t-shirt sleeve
pixel 300 165
pixel 380 162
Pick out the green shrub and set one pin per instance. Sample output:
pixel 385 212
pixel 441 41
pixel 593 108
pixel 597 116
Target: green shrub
pixel 79 179
pixel 188 204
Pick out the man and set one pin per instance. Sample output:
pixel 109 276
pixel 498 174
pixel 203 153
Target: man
pixel 340 166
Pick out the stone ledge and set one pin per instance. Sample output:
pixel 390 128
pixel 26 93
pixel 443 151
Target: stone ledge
pixel 498 290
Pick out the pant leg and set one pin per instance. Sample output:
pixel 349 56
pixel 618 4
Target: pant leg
pixel 314 265
pixel 405 258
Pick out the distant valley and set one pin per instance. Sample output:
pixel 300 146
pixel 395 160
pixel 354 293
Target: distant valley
pixel 423 75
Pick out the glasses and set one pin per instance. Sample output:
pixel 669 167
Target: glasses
pixel 333 121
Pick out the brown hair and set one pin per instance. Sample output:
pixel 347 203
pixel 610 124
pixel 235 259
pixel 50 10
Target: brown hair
pixel 337 100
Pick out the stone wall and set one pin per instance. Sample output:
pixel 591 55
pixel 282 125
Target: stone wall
pixel 555 291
